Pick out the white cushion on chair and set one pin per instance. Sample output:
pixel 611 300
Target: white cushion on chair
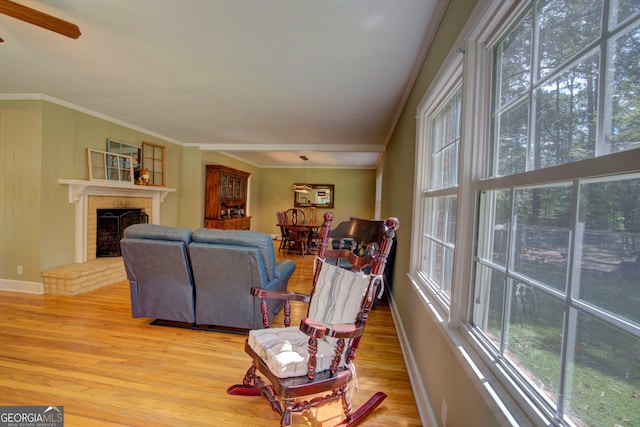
pixel 338 295
pixel 285 350
pixel 337 299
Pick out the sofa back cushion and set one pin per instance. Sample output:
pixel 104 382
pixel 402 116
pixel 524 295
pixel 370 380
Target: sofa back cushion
pixel 223 276
pixel 241 238
pixel 158 232
pixel 156 260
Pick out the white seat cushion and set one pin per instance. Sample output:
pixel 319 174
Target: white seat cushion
pixel 285 350
pixel 337 300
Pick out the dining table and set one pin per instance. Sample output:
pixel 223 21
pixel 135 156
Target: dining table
pixel 302 235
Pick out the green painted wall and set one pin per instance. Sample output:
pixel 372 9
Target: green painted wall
pixel 439 370
pixel 66 133
pixel 42 142
pixel 354 193
pixel 20 189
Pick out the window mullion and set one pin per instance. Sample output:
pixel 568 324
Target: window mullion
pixel 508 281
pixel 603 145
pixel 570 321
pixel 533 83
pixel 474 138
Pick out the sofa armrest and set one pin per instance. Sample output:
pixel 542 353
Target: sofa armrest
pixel 285 268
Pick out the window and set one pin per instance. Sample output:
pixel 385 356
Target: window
pixel 556 272
pixel 379 174
pixel 125 150
pixel 153 162
pixel 106 166
pixel 440 144
pixel 527 210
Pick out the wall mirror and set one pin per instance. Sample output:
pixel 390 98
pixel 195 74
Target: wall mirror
pixel 313 195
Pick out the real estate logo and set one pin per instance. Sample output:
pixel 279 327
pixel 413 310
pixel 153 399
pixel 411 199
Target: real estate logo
pixel 31 416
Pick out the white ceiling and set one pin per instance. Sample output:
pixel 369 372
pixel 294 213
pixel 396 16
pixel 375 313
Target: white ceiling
pixel 264 81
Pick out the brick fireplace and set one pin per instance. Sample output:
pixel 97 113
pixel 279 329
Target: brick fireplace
pixel 88 272
pixel 109 202
pixel 89 196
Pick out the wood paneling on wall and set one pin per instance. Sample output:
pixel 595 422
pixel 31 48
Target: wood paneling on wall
pixel 40 143
pixel 20 160
pixel 43 141
pixel 66 135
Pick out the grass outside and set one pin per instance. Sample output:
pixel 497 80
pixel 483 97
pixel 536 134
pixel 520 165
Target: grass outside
pixel 603 379
pixel 594 397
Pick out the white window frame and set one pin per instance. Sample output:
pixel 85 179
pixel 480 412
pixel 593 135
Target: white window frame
pixel 106 166
pixel 535 407
pixel 489 21
pixel 378 205
pixel 434 100
pixel 467 64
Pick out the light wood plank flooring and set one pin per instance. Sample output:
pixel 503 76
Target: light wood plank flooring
pixel 88 354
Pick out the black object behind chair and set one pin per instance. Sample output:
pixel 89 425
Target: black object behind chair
pixel 361 232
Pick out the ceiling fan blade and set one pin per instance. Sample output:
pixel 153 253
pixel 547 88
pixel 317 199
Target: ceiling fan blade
pixel 40 19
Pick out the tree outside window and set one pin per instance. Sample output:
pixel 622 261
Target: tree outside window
pixel 556 270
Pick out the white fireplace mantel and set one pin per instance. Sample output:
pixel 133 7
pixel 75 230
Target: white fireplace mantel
pixel 80 190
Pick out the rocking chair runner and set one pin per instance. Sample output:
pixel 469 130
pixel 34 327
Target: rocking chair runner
pixel 312 365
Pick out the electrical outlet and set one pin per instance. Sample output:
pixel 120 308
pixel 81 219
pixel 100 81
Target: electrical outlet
pixel 443 413
pixel 19 270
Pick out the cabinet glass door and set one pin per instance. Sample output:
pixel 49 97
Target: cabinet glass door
pixel 243 189
pixel 223 186
pixel 238 187
pixel 230 182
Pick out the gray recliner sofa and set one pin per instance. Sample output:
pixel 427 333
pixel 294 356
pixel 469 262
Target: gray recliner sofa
pixel 201 279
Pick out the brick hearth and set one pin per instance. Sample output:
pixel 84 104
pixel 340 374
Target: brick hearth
pixel 74 279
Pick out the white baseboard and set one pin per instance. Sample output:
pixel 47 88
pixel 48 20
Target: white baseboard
pixel 20 286
pixel 427 416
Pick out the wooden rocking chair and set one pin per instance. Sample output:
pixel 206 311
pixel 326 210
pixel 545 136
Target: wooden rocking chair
pixel 310 365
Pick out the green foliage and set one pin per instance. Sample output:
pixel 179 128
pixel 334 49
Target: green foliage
pixel 596 397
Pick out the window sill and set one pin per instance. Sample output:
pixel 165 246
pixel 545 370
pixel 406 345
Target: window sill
pixel 508 409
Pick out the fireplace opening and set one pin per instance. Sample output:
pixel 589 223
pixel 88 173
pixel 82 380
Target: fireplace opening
pixel 111 225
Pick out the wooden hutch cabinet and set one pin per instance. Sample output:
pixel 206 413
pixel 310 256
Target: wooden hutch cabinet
pixel 226 199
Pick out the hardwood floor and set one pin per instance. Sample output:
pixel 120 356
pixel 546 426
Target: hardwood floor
pixel 88 354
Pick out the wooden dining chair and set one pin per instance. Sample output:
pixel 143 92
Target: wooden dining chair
pixel 294 216
pixel 296 228
pixel 311 216
pixel 300 368
pixel 285 236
